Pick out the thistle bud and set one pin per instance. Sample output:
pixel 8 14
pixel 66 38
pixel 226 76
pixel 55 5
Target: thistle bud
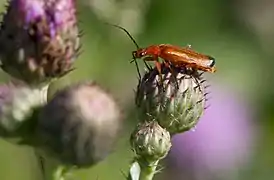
pixel 18 104
pixel 79 125
pixel 150 141
pixel 176 99
pixel 39 39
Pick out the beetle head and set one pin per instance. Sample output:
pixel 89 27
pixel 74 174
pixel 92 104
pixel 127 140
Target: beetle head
pixel 139 53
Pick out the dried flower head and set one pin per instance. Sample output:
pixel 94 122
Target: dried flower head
pixel 80 124
pixel 176 101
pixel 39 39
pixel 150 141
pixel 18 104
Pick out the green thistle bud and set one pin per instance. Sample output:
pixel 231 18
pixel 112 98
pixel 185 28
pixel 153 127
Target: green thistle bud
pixel 177 102
pixel 39 39
pixel 150 141
pixel 18 104
pixel 79 125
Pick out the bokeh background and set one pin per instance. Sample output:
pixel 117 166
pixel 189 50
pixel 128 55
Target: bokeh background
pixel 234 139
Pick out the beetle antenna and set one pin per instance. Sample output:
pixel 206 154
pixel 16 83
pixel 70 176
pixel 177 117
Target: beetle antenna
pixel 129 35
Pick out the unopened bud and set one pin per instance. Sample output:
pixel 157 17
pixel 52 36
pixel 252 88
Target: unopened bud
pixel 176 101
pixel 80 124
pixel 150 141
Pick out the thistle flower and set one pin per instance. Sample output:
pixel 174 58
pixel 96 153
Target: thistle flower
pixel 150 141
pixel 176 100
pixel 79 125
pixel 18 104
pixel 39 39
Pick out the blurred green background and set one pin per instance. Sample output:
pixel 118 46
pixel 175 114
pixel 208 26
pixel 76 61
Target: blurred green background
pixel 238 33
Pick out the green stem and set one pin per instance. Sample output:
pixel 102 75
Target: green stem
pixel 41 164
pixel 148 170
pixel 143 170
pixel 60 173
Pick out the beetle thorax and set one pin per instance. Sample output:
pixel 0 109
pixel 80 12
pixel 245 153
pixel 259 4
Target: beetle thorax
pixel 152 50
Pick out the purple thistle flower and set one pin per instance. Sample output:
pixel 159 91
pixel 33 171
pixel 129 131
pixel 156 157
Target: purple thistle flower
pixel 29 10
pixel 221 143
pixel 39 39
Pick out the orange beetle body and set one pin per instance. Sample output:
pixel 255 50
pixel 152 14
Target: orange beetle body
pixel 177 56
pixel 172 55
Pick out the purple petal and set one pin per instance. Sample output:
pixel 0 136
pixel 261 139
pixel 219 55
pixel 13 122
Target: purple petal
pixel 223 138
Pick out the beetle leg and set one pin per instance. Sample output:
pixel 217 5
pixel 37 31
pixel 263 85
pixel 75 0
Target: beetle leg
pixel 138 70
pixel 173 74
pixel 155 59
pixel 149 58
pixel 157 65
pixel 191 66
pixel 147 66
pixel 137 67
pixel 159 68
pixel 169 65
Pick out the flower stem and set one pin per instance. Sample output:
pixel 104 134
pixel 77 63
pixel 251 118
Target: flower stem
pixel 41 164
pixel 60 173
pixel 148 170
pixel 143 170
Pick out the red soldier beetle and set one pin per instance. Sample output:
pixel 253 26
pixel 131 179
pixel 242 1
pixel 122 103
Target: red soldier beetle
pixel 172 55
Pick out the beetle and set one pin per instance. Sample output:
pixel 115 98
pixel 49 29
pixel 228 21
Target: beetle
pixel 172 55
pixel 177 56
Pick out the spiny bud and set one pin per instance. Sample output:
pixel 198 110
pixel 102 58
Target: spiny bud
pixel 39 39
pixel 176 99
pixel 18 103
pixel 150 141
pixel 80 124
